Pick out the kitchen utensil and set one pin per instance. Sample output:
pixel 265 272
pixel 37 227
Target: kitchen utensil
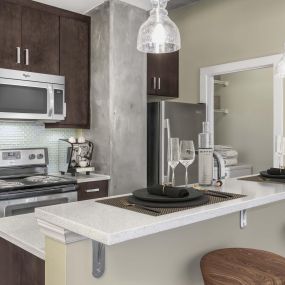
pixel 143 194
pixel 204 199
pixel 187 156
pixel 266 175
pixel 140 207
pixel 173 156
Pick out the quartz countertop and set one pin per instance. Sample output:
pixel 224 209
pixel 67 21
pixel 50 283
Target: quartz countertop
pixel 24 232
pixel 110 225
pixel 82 178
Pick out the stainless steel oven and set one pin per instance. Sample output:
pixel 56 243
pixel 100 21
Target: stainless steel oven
pixel 26 185
pixel 32 96
pixel 25 205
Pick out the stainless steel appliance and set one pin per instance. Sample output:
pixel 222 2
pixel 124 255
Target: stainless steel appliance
pixel 75 157
pixel 171 119
pixel 25 185
pixel 31 96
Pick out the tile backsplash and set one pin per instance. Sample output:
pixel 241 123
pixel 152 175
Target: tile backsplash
pixel 33 134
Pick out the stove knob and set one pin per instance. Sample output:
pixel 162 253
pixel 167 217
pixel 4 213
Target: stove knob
pixel 40 156
pixel 32 156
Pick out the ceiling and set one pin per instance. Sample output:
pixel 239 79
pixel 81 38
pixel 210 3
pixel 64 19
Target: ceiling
pixel 84 6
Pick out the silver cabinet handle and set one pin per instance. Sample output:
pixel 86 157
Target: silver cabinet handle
pixel 27 55
pixel 18 55
pixel 92 190
pixel 154 83
pixel 158 83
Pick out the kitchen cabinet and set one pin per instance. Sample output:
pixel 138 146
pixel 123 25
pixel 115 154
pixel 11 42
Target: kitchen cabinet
pixel 40 41
pixel 74 65
pixel 18 267
pixel 92 190
pixel 10 35
pixel 39 38
pixel 163 75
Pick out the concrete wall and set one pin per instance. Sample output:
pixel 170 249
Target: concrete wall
pixel 168 258
pixel 249 125
pixel 118 91
pixel 221 31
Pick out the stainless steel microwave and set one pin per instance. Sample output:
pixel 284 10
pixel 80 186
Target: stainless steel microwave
pixel 31 96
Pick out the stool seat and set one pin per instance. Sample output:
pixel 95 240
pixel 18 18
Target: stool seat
pixel 241 266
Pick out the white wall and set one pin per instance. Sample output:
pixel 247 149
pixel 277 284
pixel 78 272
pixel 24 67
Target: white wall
pixel 249 125
pixel 221 31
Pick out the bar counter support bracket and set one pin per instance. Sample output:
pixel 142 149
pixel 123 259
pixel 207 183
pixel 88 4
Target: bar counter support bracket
pixel 98 266
pixel 243 219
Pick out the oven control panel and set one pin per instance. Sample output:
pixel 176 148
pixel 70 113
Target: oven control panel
pixel 22 157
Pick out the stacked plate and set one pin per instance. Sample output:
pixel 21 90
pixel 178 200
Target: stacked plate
pixel 144 198
pixel 273 173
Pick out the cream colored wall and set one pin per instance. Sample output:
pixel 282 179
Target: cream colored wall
pixel 168 258
pixel 221 31
pixel 249 125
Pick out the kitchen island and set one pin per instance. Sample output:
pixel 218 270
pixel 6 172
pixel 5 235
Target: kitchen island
pixel 142 249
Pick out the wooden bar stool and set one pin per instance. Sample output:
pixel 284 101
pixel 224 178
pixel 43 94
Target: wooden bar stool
pixel 241 266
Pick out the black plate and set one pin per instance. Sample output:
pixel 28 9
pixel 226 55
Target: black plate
pixel 143 194
pixel 265 174
pixel 192 203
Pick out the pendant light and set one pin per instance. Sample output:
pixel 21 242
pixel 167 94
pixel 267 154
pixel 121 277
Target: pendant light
pixel 280 68
pixel 158 34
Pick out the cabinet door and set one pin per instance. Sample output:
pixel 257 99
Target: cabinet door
pixel 40 41
pixel 152 73
pixel 10 34
pixel 168 78
pixel 163 75
pixel 74 65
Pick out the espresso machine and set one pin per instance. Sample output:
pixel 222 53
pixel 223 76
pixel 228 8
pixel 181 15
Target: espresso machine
pixel 75 157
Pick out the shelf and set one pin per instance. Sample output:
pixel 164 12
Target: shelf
pixel 223 111
pixel 221 82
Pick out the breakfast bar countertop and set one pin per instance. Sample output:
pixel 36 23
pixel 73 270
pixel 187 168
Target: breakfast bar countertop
pixel 111 225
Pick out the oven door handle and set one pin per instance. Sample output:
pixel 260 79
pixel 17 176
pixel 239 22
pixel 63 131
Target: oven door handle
pixel 8 211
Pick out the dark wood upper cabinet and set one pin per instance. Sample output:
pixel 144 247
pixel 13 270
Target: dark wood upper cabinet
pixel 74 65
pixel 40 38
pixel 40 41
pixel 163 75
pixel 10 35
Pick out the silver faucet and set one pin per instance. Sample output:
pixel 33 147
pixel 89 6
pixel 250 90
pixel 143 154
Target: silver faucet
pixel 221 173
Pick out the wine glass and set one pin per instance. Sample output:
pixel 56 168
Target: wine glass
pixel 187 156
pixel 280 150
pixel 173 156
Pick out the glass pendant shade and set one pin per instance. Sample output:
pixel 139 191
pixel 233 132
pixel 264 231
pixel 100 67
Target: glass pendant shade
pixel 158 34
pixel 280 68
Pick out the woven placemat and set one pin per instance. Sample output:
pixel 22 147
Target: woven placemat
pixel 121 202
pixel 259 178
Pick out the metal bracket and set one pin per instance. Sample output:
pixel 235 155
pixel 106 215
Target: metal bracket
pixel 243 219
pixel 98 266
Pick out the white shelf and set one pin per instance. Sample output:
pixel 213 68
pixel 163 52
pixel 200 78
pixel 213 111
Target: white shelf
pixel 223 111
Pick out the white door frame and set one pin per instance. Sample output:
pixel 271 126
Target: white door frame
pixel 207 89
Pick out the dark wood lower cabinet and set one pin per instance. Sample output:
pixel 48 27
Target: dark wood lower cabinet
pixel 19 267
pixel 92 190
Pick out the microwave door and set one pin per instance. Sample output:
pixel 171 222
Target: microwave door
pixel 26 100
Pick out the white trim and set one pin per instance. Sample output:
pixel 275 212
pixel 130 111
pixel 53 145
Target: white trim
pixel 58 233
pixel 207 88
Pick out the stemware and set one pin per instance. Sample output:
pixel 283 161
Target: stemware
pixel 187 156
pixel 173 156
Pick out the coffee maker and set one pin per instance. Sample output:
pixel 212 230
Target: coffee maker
pixel 75 157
